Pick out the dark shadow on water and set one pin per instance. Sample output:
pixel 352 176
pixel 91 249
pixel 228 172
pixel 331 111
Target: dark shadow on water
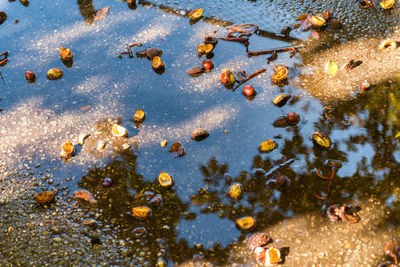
pixel 87 10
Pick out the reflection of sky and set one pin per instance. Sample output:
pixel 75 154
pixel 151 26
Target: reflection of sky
pixel 207 229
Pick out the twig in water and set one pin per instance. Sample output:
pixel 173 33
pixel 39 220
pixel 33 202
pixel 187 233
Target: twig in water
pixel 292 50
pixel 249 77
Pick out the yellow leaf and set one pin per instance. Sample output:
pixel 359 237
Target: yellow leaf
pixel 321 140
pixel 281 72
pixel 267 146
pixel 196 14
pixel 235 191
pixel 165 179
pixel 246 222
pixel 397 135
pixel 331 68
pixel 388 4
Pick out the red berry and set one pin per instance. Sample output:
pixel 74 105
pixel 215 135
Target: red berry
pixel 207 64
pixel 293 117
pixel 248 90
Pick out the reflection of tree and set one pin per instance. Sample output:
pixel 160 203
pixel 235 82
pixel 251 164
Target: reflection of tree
pixel 128 190
pixel 87 10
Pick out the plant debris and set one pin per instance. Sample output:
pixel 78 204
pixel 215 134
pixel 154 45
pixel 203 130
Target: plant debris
pixel 45 197
pixel 102 13
pixel 84 195
pixel 345 213
pixel 177 149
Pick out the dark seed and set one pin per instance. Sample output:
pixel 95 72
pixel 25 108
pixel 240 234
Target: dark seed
pixel 200 134
pixel 196 71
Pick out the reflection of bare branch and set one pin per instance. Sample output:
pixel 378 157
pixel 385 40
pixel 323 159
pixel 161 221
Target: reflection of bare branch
pixel 216 21
pixel 87 10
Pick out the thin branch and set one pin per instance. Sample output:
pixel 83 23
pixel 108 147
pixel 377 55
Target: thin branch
pixel 249 77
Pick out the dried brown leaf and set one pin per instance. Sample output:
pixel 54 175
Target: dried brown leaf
pixel 101 13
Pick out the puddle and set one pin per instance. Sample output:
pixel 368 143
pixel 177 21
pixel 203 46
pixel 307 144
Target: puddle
pixel 194 222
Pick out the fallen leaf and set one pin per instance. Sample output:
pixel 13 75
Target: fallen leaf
pixel 84 195
pixel 178 149
pixel 101 13
pixel 165 179
pixel 267 146
pixel 246 222
pixel 141 212
pixel 44 197
pixel 331 68
pixel 321 139
pixel 388 4
pixel 196 14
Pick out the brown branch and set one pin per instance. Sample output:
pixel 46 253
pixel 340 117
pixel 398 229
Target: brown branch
pixel 249 77
pixel 292 50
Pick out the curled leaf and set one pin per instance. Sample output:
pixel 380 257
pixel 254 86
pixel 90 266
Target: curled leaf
pixel 196 13
pixel 227 77
pixel 54 74
pixel 141 212
pixel 200 134
pixel 205 48
pixel 178 149
pixel 67 150
pixel 139 116
pixel 157 63
pixel 66 54
pixel 302 17
pixel 246 222
pixel 102 13
pixel 235 191
pixel 388 4
pixel 84 195
pixel 82 137
pixel 321 140
pixel 119 131
pixel 281 100
pixel 281 72
pixel 165 180
pixel 273 256
pixel 387 44
pixel 317 21
pixel 267 146
pixel 331 68
pixel 44 197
